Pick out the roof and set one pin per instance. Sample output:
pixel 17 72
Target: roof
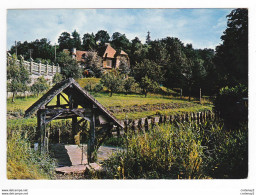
pixel 107 51
pixel 123 53
pixel 79 55
pixel 70 86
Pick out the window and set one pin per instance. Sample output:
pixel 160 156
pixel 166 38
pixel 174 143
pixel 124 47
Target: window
pixel 109 63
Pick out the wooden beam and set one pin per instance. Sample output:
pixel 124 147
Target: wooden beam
pixel 80 111
pixel 58 100
pixel 81 120
pixel 57 106
pixel 74 126
pixel 64 98
pixel 47 120
pixel 91 143
pixel 40 130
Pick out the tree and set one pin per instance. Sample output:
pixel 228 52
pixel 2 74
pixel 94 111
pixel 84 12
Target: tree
pixel 69 67
pixel 76 41
pixel 193 70
pixel 128 84
pixel 36 49
pixel 138 52
pixel 17 76
pixel 148 74
pixel 148 68
pixel 57 78
pixel 112 80
pixel 148 38
pixel 231 57
pixel 102 37
pixel 93 64
pixel 39 86
pixel 89 43
pixel 65 41
pixel 176 61
pixel 209 83
pixel 148 85
pixel 120 42
pixel 124 66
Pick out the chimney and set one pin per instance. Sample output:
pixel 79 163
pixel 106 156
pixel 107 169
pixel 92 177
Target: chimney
pixel 74 51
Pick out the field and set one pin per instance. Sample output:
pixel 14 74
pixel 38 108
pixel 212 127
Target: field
pixel 131 106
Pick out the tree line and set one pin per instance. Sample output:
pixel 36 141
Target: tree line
pixel 163 62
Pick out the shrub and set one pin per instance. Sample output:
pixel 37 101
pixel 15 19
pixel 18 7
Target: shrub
pixel 129 83
pixel 98 87
pixel 57 78
pixel 188 150
pixel 91 81
pixel 23 162
pixel 164 152
pixel 39 86
pixel 112 80
pixel 230 105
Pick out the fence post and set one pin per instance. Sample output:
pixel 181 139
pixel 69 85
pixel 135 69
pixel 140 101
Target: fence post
pixel 153 123
pixel 39 67
pixel 52 69
pixel 58 68
pixel 125 126
pixel 160 120
pixel 146 125
pixel 140 126
pixel 31 65
pixel 133 127
pixel 200 96
pixel 46 68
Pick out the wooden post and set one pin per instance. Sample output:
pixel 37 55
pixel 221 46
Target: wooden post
pixel 91 142
pixel 126 126
pixel 146 125
pixel 200 96
pixel 118 131
pixel 58 100
pixel 59 135
pixel 153 123
pixel 180 93
pixel 74 126
pixel 41 130
pixel 160 119
pixel 140 129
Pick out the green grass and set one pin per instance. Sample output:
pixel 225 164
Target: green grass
pixel 137 115
pixel 122 100
pixel 85 81
pixel 23 103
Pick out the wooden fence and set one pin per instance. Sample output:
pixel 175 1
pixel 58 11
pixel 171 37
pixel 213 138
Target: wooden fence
pixel 145 124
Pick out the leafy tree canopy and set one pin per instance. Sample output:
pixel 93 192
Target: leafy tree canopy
pixel 17 75
pixel 231 57
pixel 102 37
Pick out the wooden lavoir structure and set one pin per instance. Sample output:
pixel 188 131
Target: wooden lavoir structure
pixel 78 104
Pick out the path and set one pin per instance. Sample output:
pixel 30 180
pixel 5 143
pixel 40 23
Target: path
pixel 69 158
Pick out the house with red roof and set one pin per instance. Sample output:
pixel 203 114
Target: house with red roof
pixel 110 57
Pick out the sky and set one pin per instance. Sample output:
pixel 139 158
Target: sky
pixel 200 27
